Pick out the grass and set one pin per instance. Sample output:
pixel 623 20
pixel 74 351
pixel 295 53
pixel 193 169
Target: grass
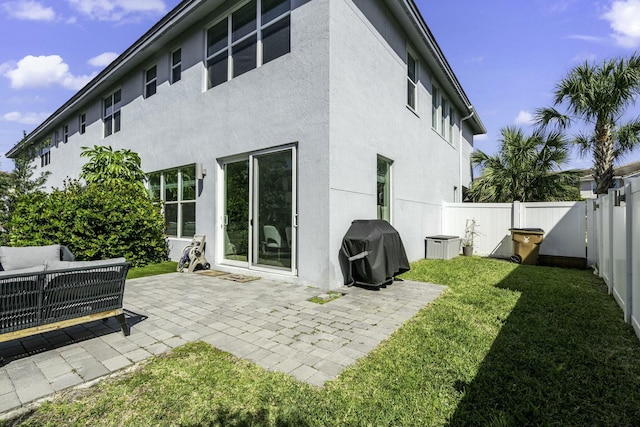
pixel 152 270
pixel 506 345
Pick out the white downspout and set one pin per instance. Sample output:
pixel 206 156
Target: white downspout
pixel 470 107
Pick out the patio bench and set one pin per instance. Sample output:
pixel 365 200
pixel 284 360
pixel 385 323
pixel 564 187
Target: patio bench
pixel 42 288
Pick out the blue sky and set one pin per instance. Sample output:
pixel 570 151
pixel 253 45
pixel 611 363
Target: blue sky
pixel 507 54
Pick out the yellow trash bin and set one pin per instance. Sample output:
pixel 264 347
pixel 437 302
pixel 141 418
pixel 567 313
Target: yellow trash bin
pixel 526 244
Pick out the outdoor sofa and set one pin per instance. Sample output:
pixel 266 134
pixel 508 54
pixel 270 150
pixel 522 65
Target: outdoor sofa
pixel 43 288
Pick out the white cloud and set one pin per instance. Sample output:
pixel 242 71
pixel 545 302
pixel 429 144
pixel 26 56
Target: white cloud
pixel 624 19
pixel 103 59
pixel 524 118
pixel 586 38
pixel 25 118
pixel 29 10
pixel 482 137
pixel 44 71
pixel 116 10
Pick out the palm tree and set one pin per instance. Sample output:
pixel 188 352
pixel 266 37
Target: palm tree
pixel 599 95
pixel 526 169
pixel 108 166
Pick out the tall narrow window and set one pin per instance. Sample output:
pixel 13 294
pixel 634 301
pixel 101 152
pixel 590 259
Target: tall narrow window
pixel 45 157
pixel 65 133
pixel 249 37
pixel 56 138
pixel 435 106
pixel 82 123
pixel 444 125
pixel 384 188
pixel 452 124
pixel 412 81
pixel 276 29
pixel 111 113
pixel 176 65
pixel 150 81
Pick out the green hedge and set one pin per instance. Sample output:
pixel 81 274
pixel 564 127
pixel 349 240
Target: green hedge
pixel 95 222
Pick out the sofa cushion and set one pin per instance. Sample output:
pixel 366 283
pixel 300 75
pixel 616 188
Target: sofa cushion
pixel 60 265
pixel 35 269
pixel 15 258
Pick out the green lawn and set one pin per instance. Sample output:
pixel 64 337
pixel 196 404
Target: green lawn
pixel 506 345
pixel 152 270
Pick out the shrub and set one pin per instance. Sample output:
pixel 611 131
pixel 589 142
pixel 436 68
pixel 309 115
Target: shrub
pixel 98 221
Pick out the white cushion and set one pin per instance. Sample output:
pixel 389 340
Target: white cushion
pixel 60 265
pixel 15 258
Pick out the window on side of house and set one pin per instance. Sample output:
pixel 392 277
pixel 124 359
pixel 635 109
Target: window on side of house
pixel 256 33
pixel 453 120
pixel 150 81
pixel 176 65
pixel 65 133
pixel 111 113
pixel 82 123
pixel 177 188
pixel 45 156
pixel 435 107
pixel 384 188
pixel 56 138
pixel 444 117
pixel 412 81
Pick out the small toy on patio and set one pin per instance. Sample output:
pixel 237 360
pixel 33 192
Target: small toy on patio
pixel 192 257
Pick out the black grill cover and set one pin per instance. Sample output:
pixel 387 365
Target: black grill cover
pixel 372 253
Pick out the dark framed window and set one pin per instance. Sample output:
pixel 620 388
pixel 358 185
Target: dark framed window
pixel 82 123
pixel 111 113
pixel 176 65
pixel 150 81
pixel 254 34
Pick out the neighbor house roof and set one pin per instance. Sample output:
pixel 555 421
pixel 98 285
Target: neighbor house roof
pixel 621 172
pixel 182 17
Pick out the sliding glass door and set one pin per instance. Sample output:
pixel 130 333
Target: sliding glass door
pixel 260 211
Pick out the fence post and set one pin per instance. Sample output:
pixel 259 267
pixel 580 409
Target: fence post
pixel 612 198
pixel 515 215
pixel 592 240
pixel 629 255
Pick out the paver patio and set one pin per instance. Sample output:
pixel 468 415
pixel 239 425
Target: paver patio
pixel 267 322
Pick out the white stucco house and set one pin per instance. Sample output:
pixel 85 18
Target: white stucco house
pixel 270 125
pixel 621 174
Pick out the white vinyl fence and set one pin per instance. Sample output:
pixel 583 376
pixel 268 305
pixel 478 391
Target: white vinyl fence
pixel 565 224
pixel 617 231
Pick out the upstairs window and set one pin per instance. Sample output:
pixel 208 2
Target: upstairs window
pixel 176 65
pixel 45 157
pixel 453 118
pixel 150 79
pixel 412 81
pixel 82 123
pixel 65 133
pixel 444 117
pixel 441 112
pixel 435 107
pixel 251 36
pixel 56 138
pixel 111 113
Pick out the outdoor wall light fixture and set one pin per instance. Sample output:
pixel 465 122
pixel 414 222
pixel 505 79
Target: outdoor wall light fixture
pixel 201 172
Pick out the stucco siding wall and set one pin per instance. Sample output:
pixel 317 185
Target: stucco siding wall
pixel 369 116
pixel 283 102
